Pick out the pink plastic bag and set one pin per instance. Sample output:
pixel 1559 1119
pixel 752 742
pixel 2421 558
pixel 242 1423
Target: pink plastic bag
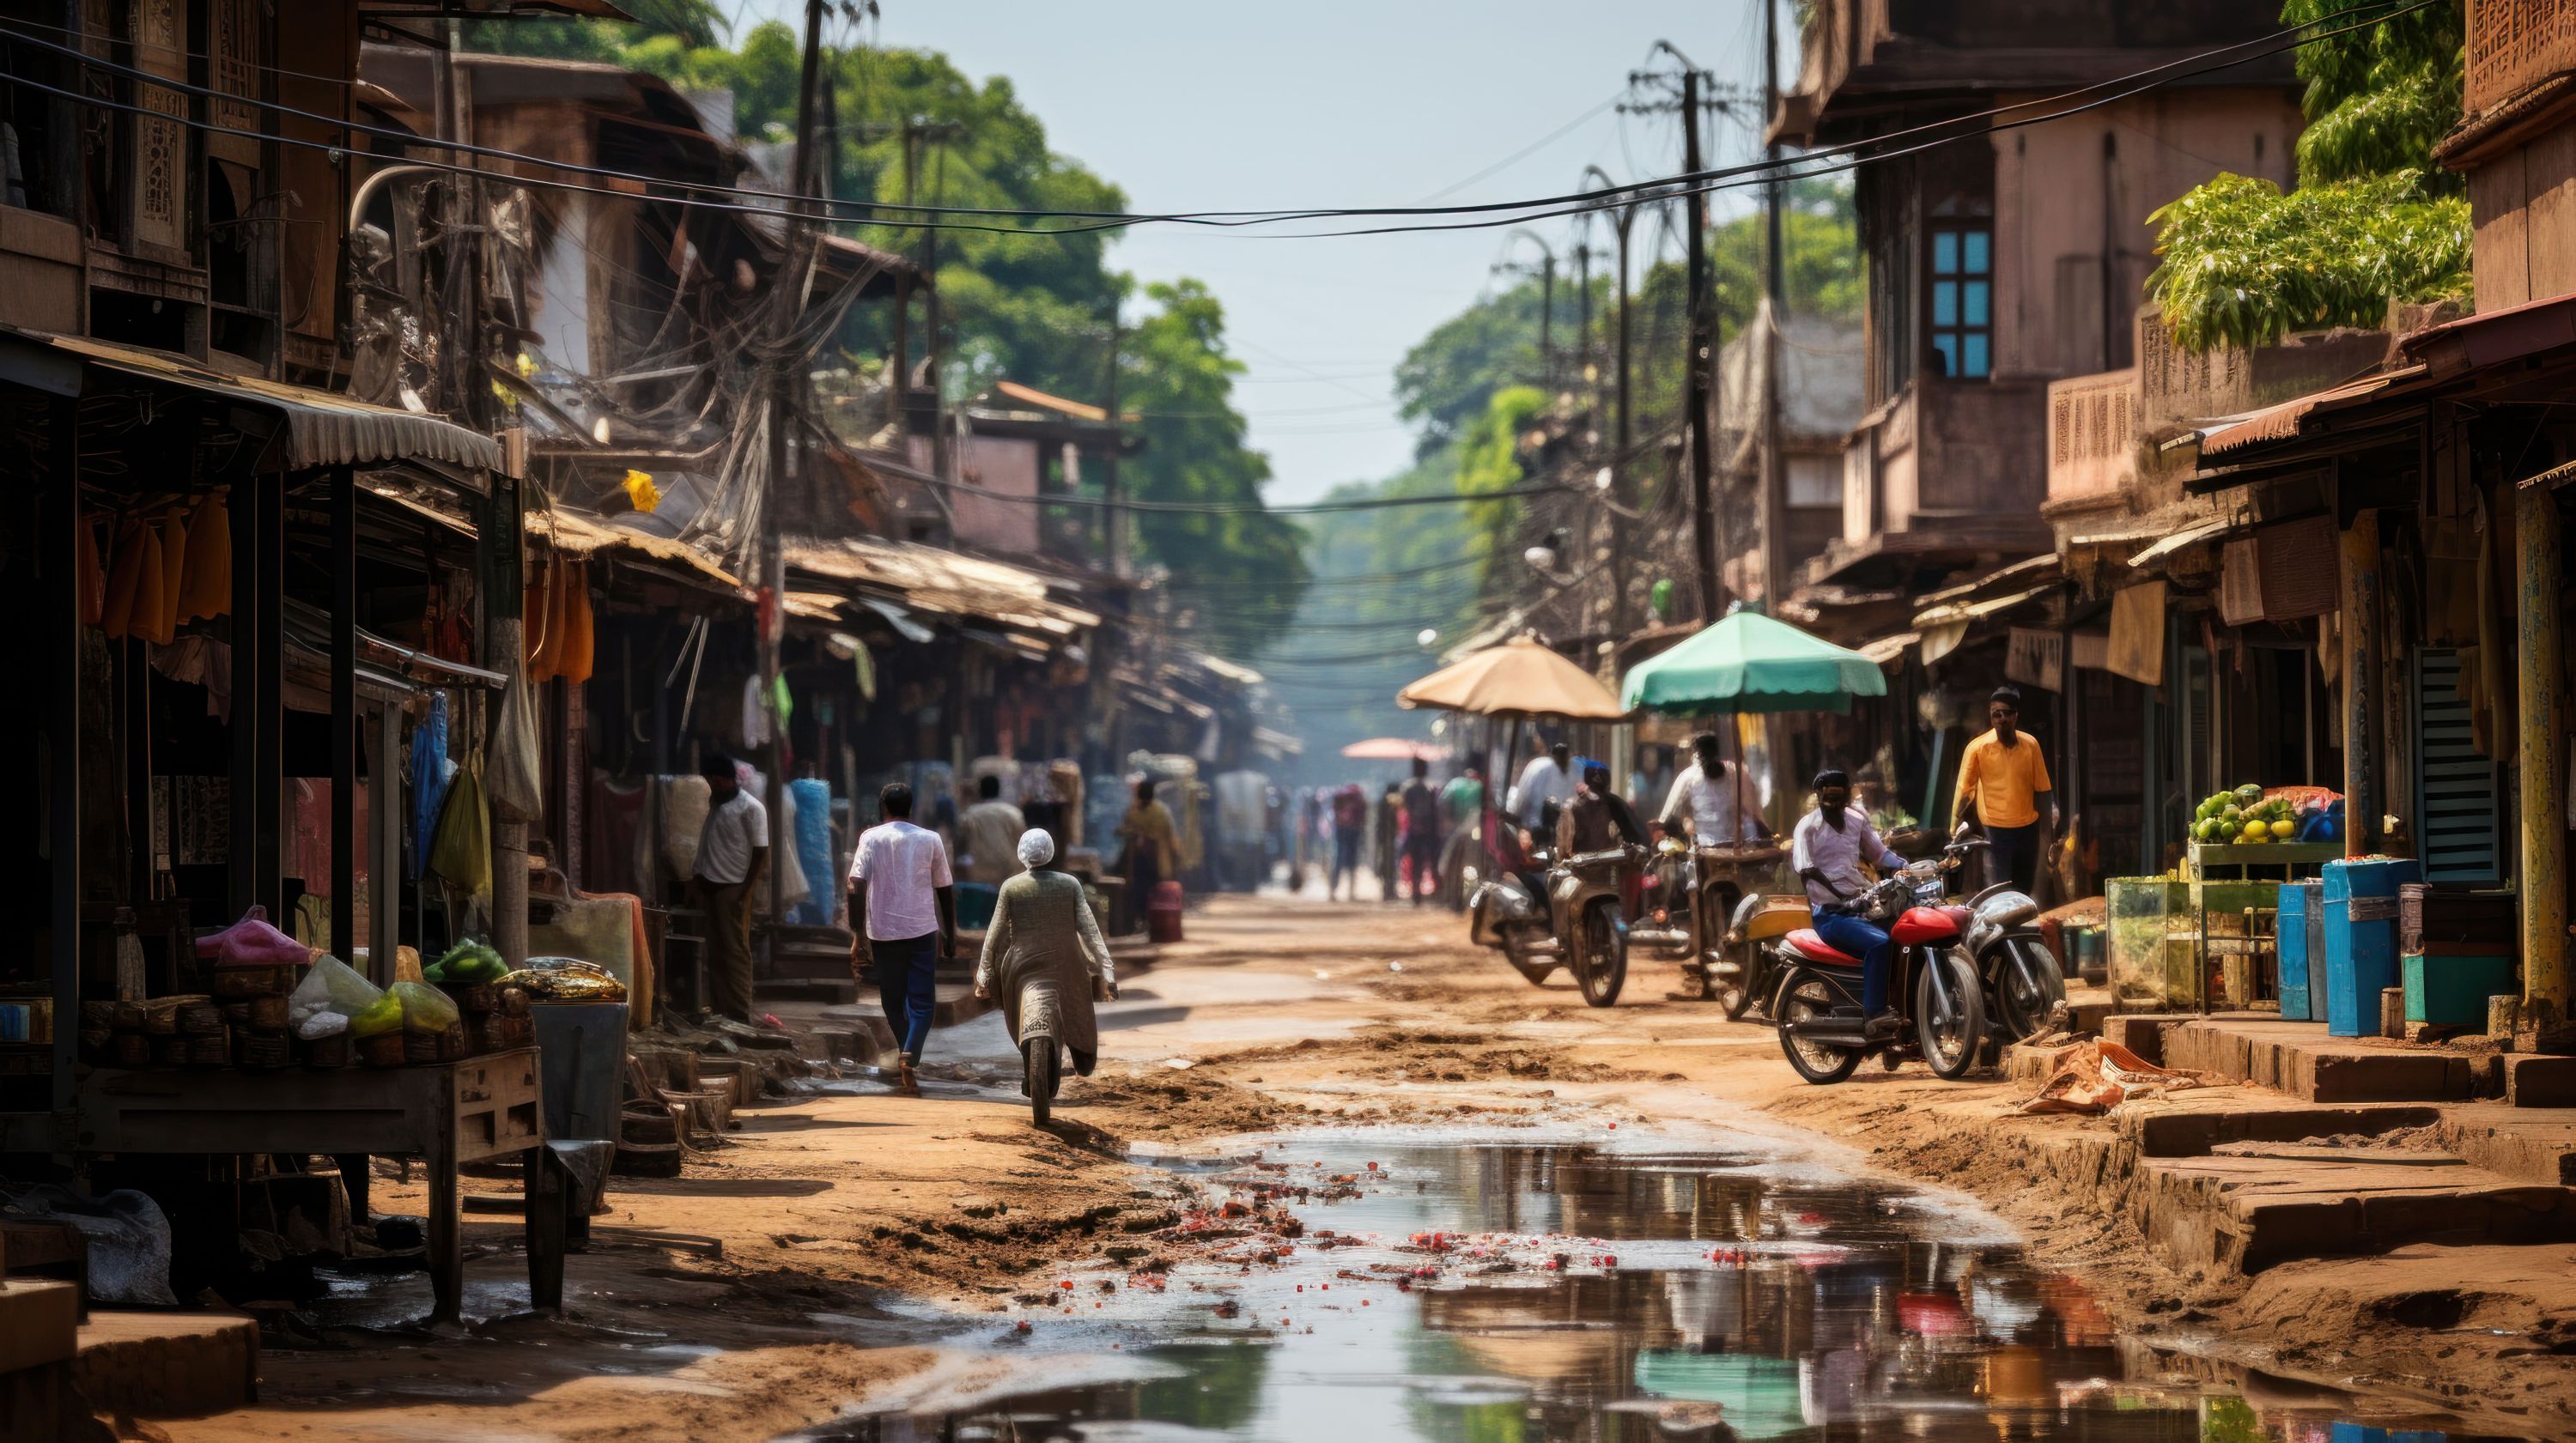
pixel 252 942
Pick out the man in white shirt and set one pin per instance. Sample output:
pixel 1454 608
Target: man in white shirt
pixel 1710 798
pixel 1831 843
pixel 733 861
pixel 1546 779
pixel 903 919
pixel 989 835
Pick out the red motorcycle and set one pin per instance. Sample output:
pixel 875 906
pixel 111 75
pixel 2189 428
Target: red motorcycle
pixel 1941 1013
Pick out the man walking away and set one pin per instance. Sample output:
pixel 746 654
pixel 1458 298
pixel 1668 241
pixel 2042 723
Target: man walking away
pixel 2003 783
pixel 1350 830
pixel 733 862
pixel 989 835
pixel 1422 830
pixel 1390 828
pixel 1830 843
pixel 903 915
pixel 1546 779
pixel 1709 802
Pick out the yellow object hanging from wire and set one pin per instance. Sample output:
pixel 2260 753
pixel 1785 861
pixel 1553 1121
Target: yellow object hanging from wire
pixel 641 493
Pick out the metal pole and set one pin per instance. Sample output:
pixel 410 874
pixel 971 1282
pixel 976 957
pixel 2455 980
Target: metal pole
pixel 2360 577
pixel 1775 303
pixel 60 505
pixel 344 711
pixel 1623 484
pixel 2539 642
pixel 1112 486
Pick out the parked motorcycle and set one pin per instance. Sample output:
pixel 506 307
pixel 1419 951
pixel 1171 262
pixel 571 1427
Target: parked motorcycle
pixel 1689 893
pixel 1941 1010
pixel 1583 891
pixel 1579 924
pixel 2020 975
pixel 1746 970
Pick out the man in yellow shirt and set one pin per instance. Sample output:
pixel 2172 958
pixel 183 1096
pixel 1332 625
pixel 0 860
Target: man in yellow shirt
pixel 2003 784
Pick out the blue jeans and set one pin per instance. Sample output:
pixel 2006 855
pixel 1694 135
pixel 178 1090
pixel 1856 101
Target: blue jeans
pixel 908 985
pixel 2013 855
pixel 1845 932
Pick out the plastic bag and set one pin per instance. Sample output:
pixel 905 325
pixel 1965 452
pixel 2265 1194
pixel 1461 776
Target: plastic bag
pixel 332 986
pixel 424 1008
pixel 252 942
pixel 321 1025
pixel 126 1233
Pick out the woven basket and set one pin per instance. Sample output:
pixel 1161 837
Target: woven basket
pixel 385 1049
pixel 328 1052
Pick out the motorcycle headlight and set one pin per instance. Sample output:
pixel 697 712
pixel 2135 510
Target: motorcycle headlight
pixel 1468 875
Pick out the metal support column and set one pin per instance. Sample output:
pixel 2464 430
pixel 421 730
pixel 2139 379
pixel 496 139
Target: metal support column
pixel 61 509
pixel 384 854
pixel 2362 702
pixel 344 712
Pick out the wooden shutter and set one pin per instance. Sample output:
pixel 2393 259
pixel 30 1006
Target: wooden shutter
pixel 2458 797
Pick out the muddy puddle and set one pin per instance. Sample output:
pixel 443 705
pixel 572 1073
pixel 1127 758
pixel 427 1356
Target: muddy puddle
pixel 1600 1286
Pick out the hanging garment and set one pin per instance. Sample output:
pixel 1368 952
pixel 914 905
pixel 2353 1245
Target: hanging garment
pixel 516 792
pixel 206 582
pixel 755 717
pixel 684 816
pixel 149 614
pixel 812 841
pixel 462 850
pixel 573 658
pixel 431 774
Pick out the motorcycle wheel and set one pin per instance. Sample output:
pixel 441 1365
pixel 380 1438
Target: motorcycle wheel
pixel 1737 996
pixel 1603 967
pixel 1807 997
pixel 1952 1034
pixel 1533 970
pixel 1041 1072
pixel 2028 988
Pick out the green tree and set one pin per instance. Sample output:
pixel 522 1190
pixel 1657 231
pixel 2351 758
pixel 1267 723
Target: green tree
pixel 2372 219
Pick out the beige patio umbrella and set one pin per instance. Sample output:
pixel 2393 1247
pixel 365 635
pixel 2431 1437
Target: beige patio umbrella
pixel 1519 678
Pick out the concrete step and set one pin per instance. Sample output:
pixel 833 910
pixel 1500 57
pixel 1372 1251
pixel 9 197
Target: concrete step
pixel 2299 1059
pixel 2249 1213
pixel 168 1365
pixel 2200 1122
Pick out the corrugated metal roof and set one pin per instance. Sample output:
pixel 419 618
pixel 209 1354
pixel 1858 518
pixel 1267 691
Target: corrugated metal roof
pixel 930 579
pixel 323 429
pixel 2179 540
pixel 569 533
pixel 2281 422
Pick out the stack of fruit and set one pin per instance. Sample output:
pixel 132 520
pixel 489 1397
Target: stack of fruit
pixel 2243 815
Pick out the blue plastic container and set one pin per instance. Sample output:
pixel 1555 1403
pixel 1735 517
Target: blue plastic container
pixel 2360 899
pixel 2290 939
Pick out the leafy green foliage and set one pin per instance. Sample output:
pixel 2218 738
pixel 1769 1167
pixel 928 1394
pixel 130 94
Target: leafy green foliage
pixel 2245 264
pixel 2372 220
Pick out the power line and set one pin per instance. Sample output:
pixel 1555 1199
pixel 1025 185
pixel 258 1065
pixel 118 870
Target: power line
pixel 1236 508
pixel 871 211
pixel 1524 152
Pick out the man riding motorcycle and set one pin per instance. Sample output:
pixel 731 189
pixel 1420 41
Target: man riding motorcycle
pixel 1710 802
pixel 1597 819
pixel 1830 843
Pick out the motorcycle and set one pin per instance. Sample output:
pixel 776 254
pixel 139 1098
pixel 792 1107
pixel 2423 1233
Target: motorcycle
pixel 1689 892
pixel 2014 963
pixel 1748 967
pixel 1579 924
pixel 1583 892
pixel 1941 1014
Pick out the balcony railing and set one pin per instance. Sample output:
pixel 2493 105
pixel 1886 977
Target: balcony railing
pixel 2516 44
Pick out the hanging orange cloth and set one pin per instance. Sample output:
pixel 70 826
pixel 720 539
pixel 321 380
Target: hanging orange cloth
pixel 88 575
pixel 573 659
pixel 124 575
pixel 206 583
pixel 174 570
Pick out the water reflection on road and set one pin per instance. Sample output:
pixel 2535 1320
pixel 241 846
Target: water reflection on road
pixel 1602 1289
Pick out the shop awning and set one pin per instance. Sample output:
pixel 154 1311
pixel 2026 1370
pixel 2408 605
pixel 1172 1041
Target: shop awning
pixel 1964 611
pixel 571 534
pixel 2180 539
pixel 322 429
pixel 2282 422
pixel 1888 650
pixel 928 579
pixel 898 618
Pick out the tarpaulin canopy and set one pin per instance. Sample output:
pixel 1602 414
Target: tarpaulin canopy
pixel 1749 662
pixel 1518 678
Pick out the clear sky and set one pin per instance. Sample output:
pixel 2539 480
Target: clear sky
pixel 1225 104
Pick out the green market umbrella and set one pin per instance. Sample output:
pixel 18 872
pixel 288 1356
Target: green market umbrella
pixel 1749 662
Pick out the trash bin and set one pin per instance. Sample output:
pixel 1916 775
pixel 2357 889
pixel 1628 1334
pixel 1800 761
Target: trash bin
pixel 2360 905
pixel 581 1062
pixel 2302 917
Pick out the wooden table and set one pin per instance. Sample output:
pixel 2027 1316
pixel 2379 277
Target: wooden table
pixel 446 1114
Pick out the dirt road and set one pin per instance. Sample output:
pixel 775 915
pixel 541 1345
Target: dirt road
pixel 711 1305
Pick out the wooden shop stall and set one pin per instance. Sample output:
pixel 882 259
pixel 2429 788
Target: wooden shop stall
pixel 243 598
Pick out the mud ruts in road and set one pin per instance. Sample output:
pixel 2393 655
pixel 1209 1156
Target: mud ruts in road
pixel 1404 1283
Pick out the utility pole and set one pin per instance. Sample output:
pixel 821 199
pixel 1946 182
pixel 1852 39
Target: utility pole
pixel 1585 373
pixel 786 378
pixel 1547 302
pixel 901 389
pixel 1111 487
pixel 1703 498
pixel 1623 488
pixel 1774 508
